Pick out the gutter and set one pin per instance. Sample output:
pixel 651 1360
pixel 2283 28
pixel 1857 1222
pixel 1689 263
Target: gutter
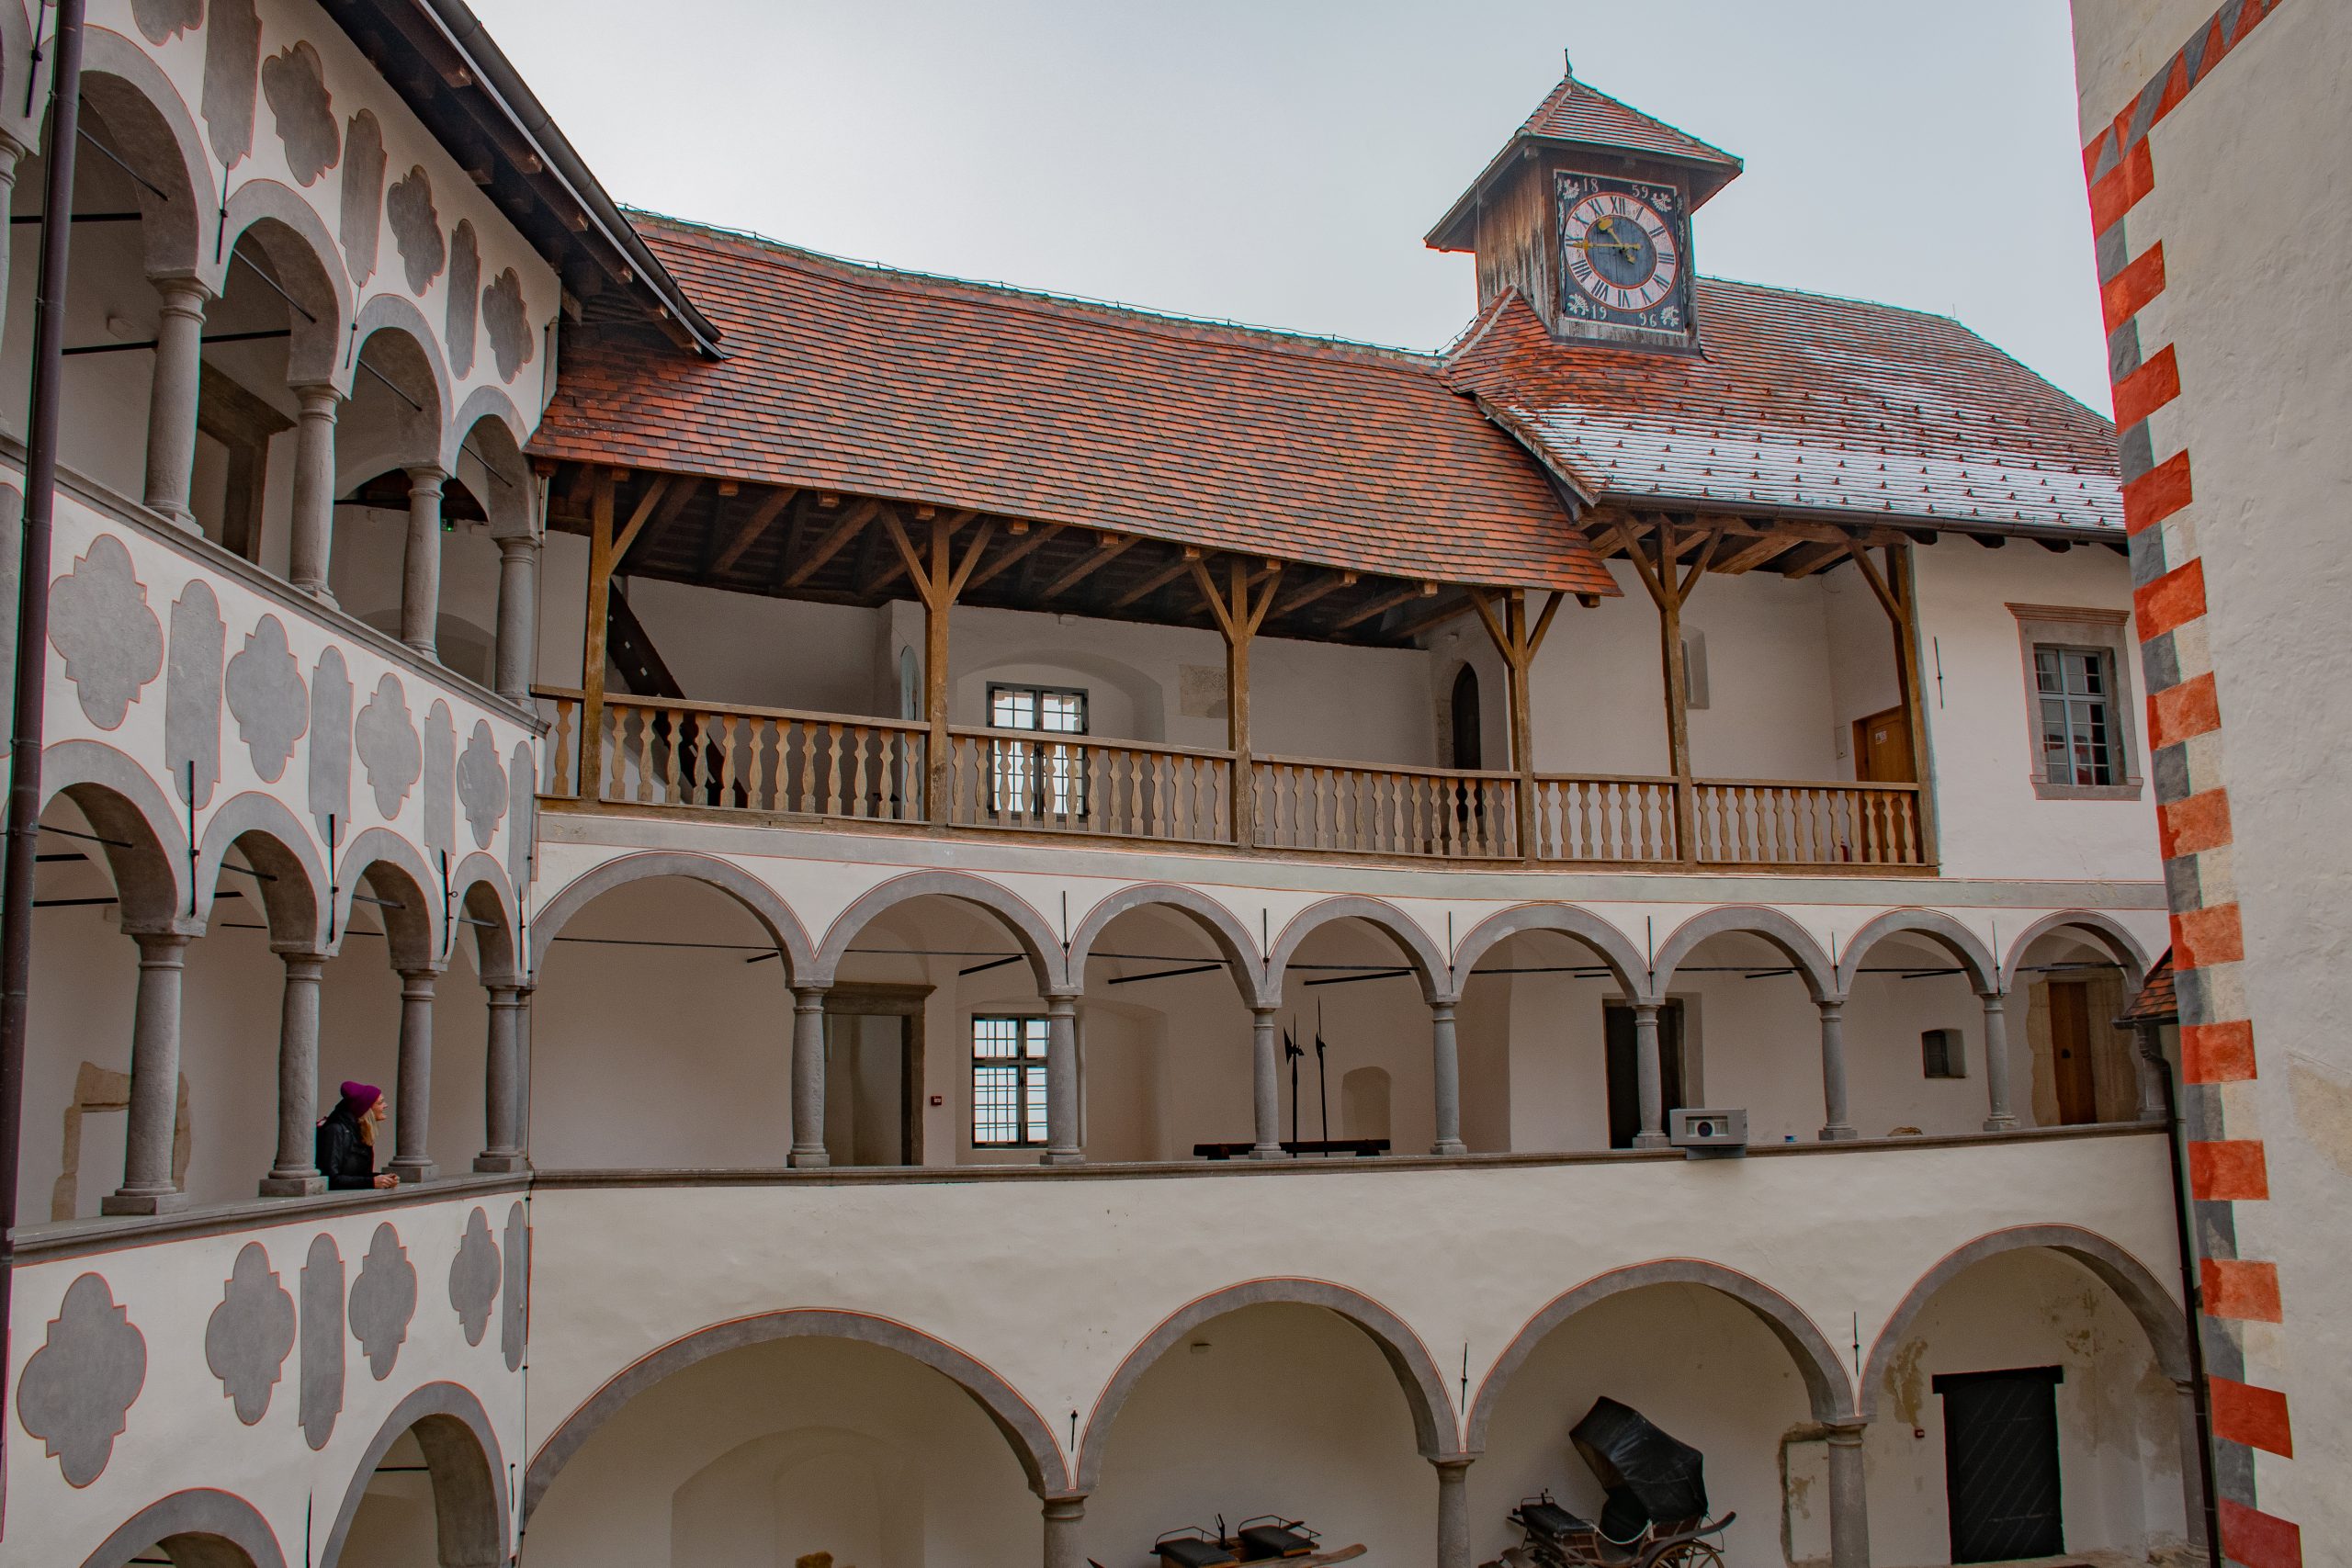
pixel 496 75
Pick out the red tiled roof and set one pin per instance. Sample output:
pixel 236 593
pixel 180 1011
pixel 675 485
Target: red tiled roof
pixel 1802 402
pixel 870 381
pixel 1575 112
pixel 2156 1003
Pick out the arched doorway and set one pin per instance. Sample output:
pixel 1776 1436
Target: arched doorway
pixel 1469 749
pixel 429 1492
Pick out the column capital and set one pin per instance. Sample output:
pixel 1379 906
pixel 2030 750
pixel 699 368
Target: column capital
pixel 1994 1000
pixel 426 477
pixel 12 152
pixel 517 546
pixel 316 397
pixel 298 959
pixel 808 998
pixel 1831 1007
pixel 182 290
pixel 1846 1434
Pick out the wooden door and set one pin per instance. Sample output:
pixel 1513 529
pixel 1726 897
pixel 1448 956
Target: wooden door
pixel 2070 1051
pixel 1882 747
pixel 2001 1473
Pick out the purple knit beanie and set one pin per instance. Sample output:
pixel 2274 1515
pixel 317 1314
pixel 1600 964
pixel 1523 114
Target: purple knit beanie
pixel 357 1097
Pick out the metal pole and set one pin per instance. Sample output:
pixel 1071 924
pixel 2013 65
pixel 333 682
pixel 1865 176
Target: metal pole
pixel 32 631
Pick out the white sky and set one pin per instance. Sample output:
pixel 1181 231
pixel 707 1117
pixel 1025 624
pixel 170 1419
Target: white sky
pixel 1277 161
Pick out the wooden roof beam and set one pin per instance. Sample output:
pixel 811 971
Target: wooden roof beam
pixel 1756 552
pixel 769 508
pixel 846 528
pixel 1817 557
pixel 1315 588
pixel 1034 539
pixel 1154 581
pixel 1384 603
pixel 1108 547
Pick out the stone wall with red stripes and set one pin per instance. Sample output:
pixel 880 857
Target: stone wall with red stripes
pixel 2188 735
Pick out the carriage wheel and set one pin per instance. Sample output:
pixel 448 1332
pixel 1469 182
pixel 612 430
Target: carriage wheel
pixel 1691 1554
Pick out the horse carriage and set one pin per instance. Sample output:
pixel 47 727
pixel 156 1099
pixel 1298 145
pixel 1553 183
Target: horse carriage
pixel 1655 1512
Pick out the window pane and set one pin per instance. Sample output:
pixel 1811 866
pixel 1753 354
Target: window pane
pixel 1013 707
pixel 2046 676
pixel 1034 1123
pixel 994 1036
pixel 996 1093
pixel 1034 1033
pixel 1064 713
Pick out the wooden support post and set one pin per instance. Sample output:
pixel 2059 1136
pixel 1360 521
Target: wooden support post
pixel 1238 616
pixel 1897 591
pixel 938 580
pixel 1519 644
pixel 591 641
pixel 1669 594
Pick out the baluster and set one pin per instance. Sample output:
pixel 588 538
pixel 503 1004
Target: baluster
pixel 640 724
pixel 559 752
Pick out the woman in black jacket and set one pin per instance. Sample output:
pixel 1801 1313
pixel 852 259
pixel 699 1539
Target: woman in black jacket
pixel 347 1140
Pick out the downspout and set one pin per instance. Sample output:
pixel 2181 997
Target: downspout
pixel 33 640
pixel 2191 1290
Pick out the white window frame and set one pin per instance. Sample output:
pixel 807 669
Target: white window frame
pixel 2105 631
pixel 1029 1076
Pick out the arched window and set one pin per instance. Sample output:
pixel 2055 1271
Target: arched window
pixel 1467 750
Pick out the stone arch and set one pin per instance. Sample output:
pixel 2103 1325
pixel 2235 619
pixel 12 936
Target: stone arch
pixel 1436 976
pixel 488 428
pixel 410 437
pixel 288 231
pixel 145 849
pixel 274 843
pixel 156 135
pixel 468 1476
pixel 1826 1383
pixel 1930 925
pixel 1795 943
pixel 15 64
pixel 2159 1316
pixel 1017 915
pixel 1435 1429
pixel 2102 929
pixel 395 873
pixel 200 1529
pixel 399 313
pixel 485 898
pixel 1032 1442
pixel 1610 944
pixel 775 917
pixel 1219 924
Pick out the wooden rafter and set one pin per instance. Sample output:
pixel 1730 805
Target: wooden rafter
pixel 763 516
pixel 843 530
pixel 1108 547
pixel 1816 557
pixel 904 558
pixel 654 491
pixel 1384 603
pixel 1154 581
pixel 1023 545
pixel 1315 588
pixel 1756 552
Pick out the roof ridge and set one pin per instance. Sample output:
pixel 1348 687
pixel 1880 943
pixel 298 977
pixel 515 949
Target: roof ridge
pixel 1280 339
pixel 1567 89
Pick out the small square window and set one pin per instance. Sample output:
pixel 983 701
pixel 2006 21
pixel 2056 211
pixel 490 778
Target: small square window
pixel 1942 1054
pixel 2074 686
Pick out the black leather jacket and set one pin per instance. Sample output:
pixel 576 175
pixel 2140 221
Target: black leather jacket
pixel 345 1158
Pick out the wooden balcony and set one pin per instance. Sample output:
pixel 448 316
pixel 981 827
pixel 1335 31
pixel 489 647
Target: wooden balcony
pixel 777 765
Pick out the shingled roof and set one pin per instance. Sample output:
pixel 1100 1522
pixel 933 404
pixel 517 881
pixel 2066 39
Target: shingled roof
pixel 2156 1003
pixel 1806 404
pixel 861 380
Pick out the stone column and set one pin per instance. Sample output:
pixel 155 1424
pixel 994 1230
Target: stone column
pixel 421 568
pixel 172 398
pixel 413 1096
pixel 1849 1506
pixel 1265 1085
pixel 296 1172
pixel 1061 1082
pixel 314 539
pixel 1835 1127
pixel 1445 1064
pixel 147 1185
pixel 808 1077
pixel 518 617
pixel 503 1086
pixel 2149 1056
pixel 1649 1080
pixel 1998 1117
pixel 1063 1516
pixel 1453 1513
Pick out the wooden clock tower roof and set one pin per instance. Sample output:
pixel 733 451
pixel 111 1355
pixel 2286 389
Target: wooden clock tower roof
pixel 1575 118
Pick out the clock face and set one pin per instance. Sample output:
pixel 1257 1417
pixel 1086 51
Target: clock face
pixel 1624 253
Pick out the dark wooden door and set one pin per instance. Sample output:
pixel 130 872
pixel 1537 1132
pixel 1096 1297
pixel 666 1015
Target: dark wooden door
pixel 1469 749
pixel 2070 1051
pixel 1882 747
pixel 1624 1070
pixel 2001 1463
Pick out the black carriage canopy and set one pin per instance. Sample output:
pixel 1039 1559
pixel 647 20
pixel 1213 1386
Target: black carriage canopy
pixel 1639 1467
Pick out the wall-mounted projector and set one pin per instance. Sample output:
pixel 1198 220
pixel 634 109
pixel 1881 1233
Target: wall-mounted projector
pixel 1709 1134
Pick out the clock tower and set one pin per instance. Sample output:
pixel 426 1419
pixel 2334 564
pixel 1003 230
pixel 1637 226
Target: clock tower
pixel 1587 211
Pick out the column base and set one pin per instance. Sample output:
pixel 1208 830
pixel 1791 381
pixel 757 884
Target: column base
pixel 808 1159
pixel 424 650
pixel 276 1186
pixel 1838 1132
pixel 1269 1151
pixel 412 1171
pixel 321 592
pixel 1449 1148
pixel 2005 1123
pixel 169 1202
pixel 1061 1157
pixel 502 1165
pixel 1652 1141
